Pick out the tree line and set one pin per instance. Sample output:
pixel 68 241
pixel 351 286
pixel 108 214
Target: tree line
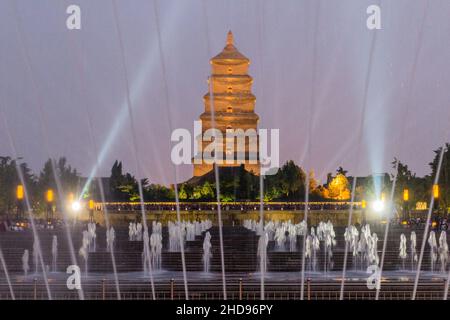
pixel 237 184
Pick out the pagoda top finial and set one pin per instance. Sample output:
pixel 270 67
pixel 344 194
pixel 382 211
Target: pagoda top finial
pixel 230 39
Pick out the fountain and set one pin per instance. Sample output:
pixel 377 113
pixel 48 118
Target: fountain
pixel 413 250
pixel 155 250
pixel 207 252
pixel 262 252
pixel 315 248
pixel 36 256
pixel 84 250
pixel 433 250
pixel 292 229
pixel 132 231
pixel 92 236
pixel 328 235
pixel 138 231
pixel 175 232
pixel 146 253
pixel 54 252
pixel 308 244
pixel 374 259
pixel 443 251
pixel 25 265
pixel 110 237
pixel 280 237
pixel 402 250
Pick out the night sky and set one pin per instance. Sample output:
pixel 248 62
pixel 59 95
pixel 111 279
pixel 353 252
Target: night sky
pixel 78 75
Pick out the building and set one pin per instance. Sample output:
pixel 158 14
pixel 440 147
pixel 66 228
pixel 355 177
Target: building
pixel 233 105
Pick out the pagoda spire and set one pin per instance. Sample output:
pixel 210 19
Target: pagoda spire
pixel 230 38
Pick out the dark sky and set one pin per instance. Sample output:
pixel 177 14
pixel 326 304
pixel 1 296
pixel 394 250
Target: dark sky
pixel 278 38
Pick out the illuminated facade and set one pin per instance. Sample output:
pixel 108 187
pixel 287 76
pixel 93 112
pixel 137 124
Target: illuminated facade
pixel 234 104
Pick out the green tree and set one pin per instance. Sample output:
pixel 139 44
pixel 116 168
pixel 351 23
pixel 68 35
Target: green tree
pixel 444 175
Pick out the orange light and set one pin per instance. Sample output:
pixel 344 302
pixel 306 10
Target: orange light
pixel 20 192
pixel 383 196
pixel 50 195
pixel 363 204
pixel 434 224
pixel 406 195
pixel 71 197
pixel 404 222
pixel 91 204
pixel 435 191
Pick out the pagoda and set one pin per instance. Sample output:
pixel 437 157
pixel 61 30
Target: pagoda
pixel 234 105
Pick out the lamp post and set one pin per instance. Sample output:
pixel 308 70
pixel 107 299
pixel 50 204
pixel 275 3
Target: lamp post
pixel 50 198
pixel 405 204
pixel 19 196
pixel 363 207
pixel 91 210
pixel 436 196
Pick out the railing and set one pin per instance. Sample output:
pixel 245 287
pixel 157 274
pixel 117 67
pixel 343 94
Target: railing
pixel 237 291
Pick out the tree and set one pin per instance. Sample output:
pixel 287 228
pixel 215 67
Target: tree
pixel 292 180
pixel 340 170
pixel 444 175
pixel 338 188
pixel 124 187
pixel 9 180
pixel 67 176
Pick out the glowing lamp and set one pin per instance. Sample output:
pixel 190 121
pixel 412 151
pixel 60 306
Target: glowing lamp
pixel 435 191
pixel 363 204
pixel 404 222
pixel 19 192
pixel 91 204
pixel 76 206
pixel 378 206
pixel 406 195
pixel 49 195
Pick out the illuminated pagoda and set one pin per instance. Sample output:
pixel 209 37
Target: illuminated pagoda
pixel 234 105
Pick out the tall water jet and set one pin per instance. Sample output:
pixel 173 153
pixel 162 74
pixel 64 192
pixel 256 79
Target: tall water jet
pixel 92 236
pixel 175 233
pixel 280 237
pixel 329 242
pixel 262 252
pixel 25 264
pixel 132 231
pixel 433 250
pixel 413 250
pixel 374 259
pixel 54 252
pixel 155 250
pixel 402 250
pixel 110 237
pixel 207 252
pixel 292 229
pixel 315 248
pixel 139 231
pixel 84 250
pixel 146 253
pixel 36 256
pixel 308 252
pixel 443 251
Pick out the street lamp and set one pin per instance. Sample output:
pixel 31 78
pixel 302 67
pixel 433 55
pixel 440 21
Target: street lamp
pixel 363 207
pixel 91 210
pixel 405 204
pixel 436 196
pixel 50 198
pixel 19 196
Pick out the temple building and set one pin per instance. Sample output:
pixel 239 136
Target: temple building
pixel 234 107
